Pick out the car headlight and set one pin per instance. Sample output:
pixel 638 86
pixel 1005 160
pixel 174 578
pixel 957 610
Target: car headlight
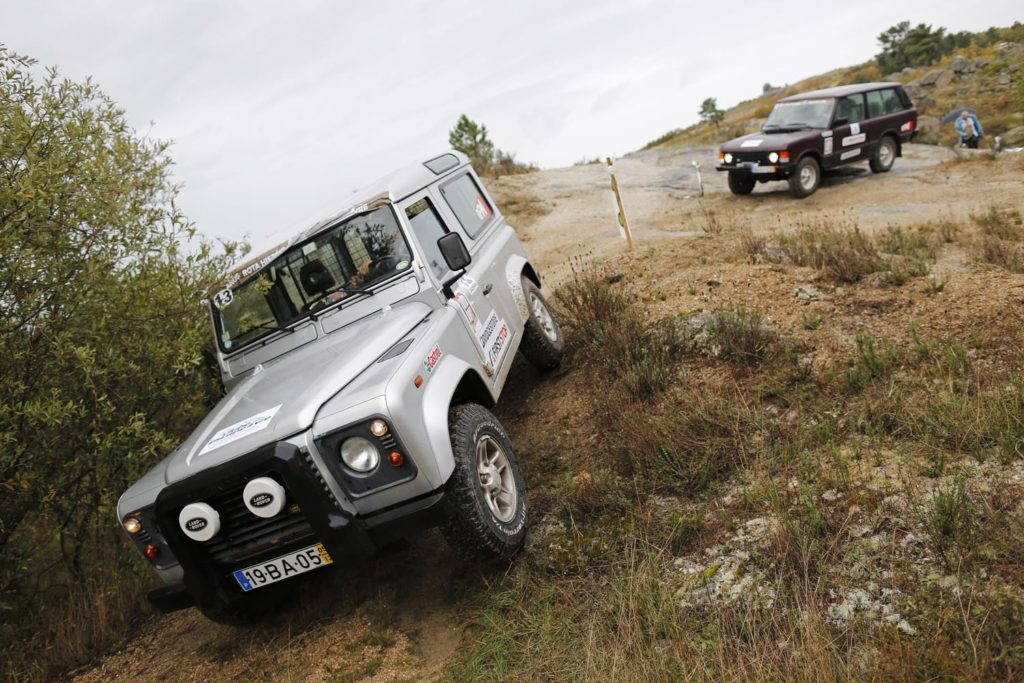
pixel 773 157
pixel 132 524
pixel 728 158
pixel 359 454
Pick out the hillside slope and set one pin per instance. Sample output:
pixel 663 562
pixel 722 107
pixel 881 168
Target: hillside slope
pixel 791 531
pixel 988 77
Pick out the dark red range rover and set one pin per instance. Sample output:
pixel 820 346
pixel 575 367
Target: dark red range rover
pixel 820 130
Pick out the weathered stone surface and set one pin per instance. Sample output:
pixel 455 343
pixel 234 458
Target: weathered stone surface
pixel 930 77
pixel 1013 137
pixel 959 64
pixel 893 77
pixel 945 78
pixel 925 123
pixel 1003 78
pixel 913 89
pixel 907 71
pixel 924 104
pixel 980 63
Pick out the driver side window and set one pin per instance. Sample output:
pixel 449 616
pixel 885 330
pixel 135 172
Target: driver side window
pixel 851 108
pixel 427 227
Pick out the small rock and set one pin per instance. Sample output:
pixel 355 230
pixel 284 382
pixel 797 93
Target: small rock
pixel 945 78
pixel 808 293
pixel 831 495
pixel 714 282
pixel 1003 78
pixel 959 64
pixel 905 626
pixel 929 78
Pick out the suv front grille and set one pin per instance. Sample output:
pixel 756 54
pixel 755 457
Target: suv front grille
pixel 747 157
pixel 244 536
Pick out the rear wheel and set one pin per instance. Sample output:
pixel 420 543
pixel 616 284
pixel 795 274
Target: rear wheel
pixel 741 183
pixel 485 498
pixel 884 155
pixel 805 178
pixel 542 339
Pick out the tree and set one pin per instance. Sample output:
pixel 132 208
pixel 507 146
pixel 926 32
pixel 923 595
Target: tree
pixel 101 335
pixel 710 113
pixel 903 45
pixel 471 139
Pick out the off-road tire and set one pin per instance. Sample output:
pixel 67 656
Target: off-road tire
pixel 741 183
pixel 806 178
pixel 542 343
pixel 884 156
pixel 470 527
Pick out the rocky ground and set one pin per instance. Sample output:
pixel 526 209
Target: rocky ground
pixel 419 612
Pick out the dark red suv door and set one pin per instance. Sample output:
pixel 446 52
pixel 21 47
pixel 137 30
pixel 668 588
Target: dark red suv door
pixel 849 139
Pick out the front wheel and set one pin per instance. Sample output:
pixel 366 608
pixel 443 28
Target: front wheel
pixel 805 178
pixel 542 338
pixel 485 498
pixel 741 183
pixel 884 156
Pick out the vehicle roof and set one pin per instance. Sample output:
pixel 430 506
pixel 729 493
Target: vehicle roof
pixel 390 188
pixel 838 91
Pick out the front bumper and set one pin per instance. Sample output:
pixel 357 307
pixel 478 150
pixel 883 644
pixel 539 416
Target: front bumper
pixel 314 516
pixel 759 170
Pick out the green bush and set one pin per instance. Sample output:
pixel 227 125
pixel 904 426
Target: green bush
pixel 101 332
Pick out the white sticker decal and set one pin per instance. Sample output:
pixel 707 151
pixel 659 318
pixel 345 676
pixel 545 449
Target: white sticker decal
pixel 826 133
pixel 466 306
pixel 223 298
pixel 432 359
pixel 467 285
pixel 828 146
pixel 756 142
pixel 849 155
pixel 854 128
pixel 493 336
pixel 249 425
pixel 854 139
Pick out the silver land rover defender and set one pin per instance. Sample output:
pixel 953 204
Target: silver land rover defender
pixel 360 359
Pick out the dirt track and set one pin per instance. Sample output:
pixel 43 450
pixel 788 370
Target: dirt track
pixel 401 617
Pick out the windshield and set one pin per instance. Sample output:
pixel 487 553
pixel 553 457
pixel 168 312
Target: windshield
pixel 800 114
pixel 339 263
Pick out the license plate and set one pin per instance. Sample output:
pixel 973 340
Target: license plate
pixel 763 169
pixel 284 567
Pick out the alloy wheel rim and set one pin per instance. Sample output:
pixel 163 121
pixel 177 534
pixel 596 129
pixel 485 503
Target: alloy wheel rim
pixel 807 177
pixel 885 154
pixel 543 317
pixel 496 479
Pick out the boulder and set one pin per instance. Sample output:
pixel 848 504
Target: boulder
pixel 924 104
pixel 907 71
pixel 1003 78
pixel 930 77
pixel 980 63
pixel 914 89
pixel 959 64
pixel 1013 137
pixel 945 78
pixel 926 123
pixel 893 77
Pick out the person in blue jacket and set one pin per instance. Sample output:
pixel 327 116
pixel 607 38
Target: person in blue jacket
pixel 969 129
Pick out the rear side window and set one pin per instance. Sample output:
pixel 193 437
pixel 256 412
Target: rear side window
pixel 891 102
pixel 851 108
pixel 428 228
pixel 468 204
pixel 876 107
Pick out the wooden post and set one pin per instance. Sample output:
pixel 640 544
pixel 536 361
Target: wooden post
pixel 623 224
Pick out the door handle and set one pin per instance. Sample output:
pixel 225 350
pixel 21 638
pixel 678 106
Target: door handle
pixel 487 288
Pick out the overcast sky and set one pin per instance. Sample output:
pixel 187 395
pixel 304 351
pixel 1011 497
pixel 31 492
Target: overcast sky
pixel 278 110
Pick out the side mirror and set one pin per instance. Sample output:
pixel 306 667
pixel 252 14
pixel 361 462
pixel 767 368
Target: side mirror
pixel 454 251
pixel 841 121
